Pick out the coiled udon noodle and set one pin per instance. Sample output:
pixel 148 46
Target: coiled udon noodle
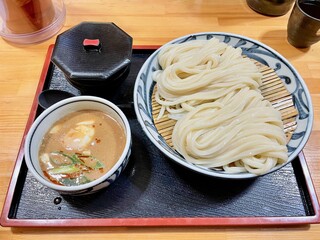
pixel 223 120
pixel 243 133
pixel 201 71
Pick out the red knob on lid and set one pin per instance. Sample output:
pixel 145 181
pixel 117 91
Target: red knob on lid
pixel 91 44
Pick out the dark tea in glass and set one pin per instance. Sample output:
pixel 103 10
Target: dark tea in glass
pixel 25 16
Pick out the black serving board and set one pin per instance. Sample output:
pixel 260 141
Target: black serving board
pixel 158 191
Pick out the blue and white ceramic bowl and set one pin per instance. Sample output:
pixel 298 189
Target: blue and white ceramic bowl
pixel 292 80
pixel 54 113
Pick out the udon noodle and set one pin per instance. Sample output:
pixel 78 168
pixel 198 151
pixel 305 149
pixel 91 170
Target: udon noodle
pixel 223 122
pixel 201 71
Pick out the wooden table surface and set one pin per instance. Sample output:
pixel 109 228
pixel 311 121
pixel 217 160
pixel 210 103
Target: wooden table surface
pixel 151 22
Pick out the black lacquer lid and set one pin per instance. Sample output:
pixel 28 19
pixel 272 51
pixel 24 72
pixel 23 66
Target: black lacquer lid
pixel 93 54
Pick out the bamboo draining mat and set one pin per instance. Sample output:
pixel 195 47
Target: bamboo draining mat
pixel 272 89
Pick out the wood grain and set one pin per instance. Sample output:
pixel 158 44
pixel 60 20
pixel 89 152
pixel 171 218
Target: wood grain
pixel 150 23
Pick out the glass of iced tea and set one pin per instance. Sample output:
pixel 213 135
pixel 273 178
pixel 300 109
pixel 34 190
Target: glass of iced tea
pixel 30 21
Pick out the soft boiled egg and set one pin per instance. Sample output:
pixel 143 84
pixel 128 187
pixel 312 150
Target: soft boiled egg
pixel 80 136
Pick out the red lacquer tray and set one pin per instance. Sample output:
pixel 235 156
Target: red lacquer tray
pixel 154 191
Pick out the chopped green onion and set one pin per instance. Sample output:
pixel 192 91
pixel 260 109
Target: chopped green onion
pixel 65 169
pixel 84 179
pixel 95 164
pixel 74 181
pixel 74 158
pixel 99 165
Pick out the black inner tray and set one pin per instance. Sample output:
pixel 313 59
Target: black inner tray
pixel 154 186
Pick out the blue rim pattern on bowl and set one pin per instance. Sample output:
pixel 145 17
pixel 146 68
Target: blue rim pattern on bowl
pixel 95 185
pixel 253 49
